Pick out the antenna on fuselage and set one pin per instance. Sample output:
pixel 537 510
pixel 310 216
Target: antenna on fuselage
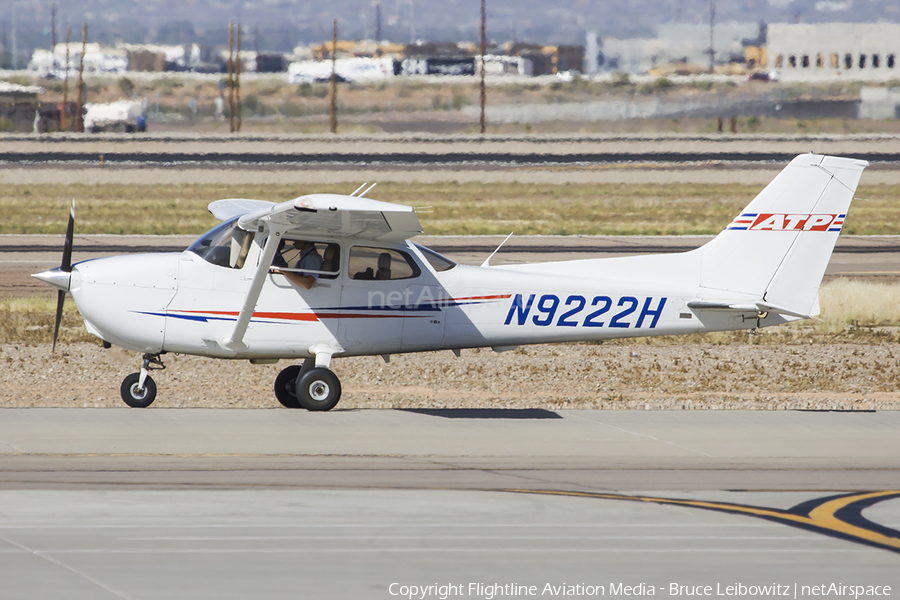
pixel 359 188
pixel 368 189
pixel 487 261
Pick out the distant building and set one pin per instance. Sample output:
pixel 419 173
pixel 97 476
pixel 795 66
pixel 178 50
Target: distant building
pixel 21 110
pixel 97 59
pixel 270 62
pixel 148 58
pixel 879 103
pixel 834 51
pixel 674 43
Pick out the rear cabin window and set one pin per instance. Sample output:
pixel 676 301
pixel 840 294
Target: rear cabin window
pixel 438 263
pixel 380 264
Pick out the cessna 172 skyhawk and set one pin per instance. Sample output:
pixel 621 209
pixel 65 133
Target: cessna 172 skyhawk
pixel 240 292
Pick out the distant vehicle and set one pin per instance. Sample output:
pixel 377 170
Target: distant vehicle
pixel 353 70
pixel 325 275
pixel 124 116
pixel 763 76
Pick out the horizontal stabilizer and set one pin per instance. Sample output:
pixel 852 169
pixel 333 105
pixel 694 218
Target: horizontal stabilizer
pixel 737 306
pixel 745 307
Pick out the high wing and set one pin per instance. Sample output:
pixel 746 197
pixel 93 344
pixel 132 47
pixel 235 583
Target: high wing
pixel 316 215
pixel 330 215
pixel 226 210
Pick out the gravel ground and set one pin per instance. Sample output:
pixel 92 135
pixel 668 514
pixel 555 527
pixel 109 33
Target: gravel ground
pixel 659 376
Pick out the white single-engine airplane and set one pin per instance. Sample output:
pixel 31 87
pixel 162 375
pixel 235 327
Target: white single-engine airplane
pixel 240 291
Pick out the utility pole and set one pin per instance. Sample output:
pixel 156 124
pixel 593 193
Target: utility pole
pixel 15 50
pixel 237 79
pixel 79 115
pixel 65 106
pixel 53 35
pixel 712 26
pixel 483 48
pixel 231 75
pixel 378 23
pixel 334 77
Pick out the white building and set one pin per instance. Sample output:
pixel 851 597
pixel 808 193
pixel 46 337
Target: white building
pixel 834 51
pixel 676 42
pixel 879 103
pixel 97 59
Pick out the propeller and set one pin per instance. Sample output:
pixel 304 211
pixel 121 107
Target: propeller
pixel 66 267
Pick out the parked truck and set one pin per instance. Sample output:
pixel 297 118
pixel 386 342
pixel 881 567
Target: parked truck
pixel 124 116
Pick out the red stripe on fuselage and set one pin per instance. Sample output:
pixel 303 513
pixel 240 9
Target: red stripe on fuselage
pixel 262 315
pixel 497 297
pixel 288 316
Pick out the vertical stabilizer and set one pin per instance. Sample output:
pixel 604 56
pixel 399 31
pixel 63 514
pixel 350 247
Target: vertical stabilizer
pixel 778 247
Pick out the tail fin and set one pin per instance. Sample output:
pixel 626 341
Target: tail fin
pixel 777 249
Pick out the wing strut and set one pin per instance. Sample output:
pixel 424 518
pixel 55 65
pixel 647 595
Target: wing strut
pixel 235 341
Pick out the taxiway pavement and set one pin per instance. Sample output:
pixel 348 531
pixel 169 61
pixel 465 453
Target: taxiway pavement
pixel 199 503
pixel 450 448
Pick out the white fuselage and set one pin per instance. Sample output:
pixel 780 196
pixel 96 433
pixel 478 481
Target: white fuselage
pixel 180 302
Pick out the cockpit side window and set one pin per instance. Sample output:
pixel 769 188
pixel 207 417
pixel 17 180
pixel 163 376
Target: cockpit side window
pixel 225 245
pixel 292 255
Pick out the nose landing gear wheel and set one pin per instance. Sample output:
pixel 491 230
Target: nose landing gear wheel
pixel 286 386
pixel 318 389
pixel 136 397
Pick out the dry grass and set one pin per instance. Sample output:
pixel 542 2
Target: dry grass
pixel 859 304
pixel 852 311
pixel 459 208
pixel 30 320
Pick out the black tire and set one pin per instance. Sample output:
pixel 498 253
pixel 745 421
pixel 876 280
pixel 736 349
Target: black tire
pixel 318 389
pixel 286 386
pixel 130 394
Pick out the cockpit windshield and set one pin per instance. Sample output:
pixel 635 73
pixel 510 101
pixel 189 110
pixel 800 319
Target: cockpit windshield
pixel 224 245
pixel 438 263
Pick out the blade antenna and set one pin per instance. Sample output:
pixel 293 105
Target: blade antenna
pixel 487 261
pixel 66 267
pixel 359 188
pixel 368 189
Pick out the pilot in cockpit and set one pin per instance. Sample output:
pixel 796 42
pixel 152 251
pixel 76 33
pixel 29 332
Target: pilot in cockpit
pixel 308 259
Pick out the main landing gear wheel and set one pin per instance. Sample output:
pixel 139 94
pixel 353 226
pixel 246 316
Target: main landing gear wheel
pixel 286 386
pixel 134 396
pixel 318 389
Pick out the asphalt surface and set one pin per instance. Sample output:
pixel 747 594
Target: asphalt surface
pixel 124 503
pixel 450 448
pixel 424 150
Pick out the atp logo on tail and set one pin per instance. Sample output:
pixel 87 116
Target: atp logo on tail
pixel 786 222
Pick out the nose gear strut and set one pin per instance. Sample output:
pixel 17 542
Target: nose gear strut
pixel 138 389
